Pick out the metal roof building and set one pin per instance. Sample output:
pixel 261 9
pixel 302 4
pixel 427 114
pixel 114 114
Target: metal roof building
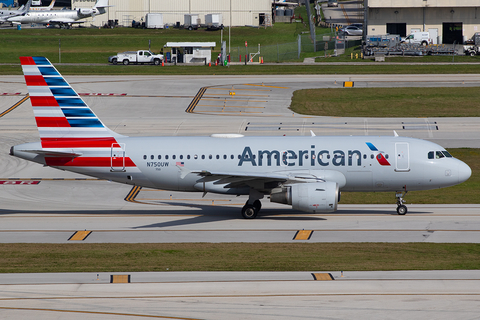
pixel 242 12
pixel 447 21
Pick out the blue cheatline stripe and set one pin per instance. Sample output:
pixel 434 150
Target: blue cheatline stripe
pixel 48 71
pixel 90 123
pixel 70 102
pixel 63 92
pixel 371 146
pixel 76 112
pixel 55 81
pixel 41 61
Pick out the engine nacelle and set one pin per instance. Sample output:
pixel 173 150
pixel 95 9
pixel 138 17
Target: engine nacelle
pixel 309 197
pixel 85 12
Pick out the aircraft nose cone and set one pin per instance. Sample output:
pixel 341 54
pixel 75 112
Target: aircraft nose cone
pixel 464 172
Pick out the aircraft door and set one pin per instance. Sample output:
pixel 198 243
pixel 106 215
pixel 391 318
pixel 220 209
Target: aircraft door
pixel 402 161
pixel 117 158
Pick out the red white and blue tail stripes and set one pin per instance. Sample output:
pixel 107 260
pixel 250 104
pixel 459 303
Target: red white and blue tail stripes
pixel 59 111
pixel 65 122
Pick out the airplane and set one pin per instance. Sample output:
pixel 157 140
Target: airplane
pixel 61 17
pixel 50 7
pixel 306 172
pixel 5 14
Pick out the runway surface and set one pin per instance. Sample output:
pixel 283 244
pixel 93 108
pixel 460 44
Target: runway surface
pixel 244 295
pixel 46 205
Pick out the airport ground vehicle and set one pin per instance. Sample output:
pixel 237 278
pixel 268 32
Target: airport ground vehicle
pixel 137 57
pixel 422 38
pixel 473 47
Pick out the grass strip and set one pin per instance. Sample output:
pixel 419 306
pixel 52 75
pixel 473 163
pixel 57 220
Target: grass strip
pixel 388 102
pixel 264 69
pixel 27 258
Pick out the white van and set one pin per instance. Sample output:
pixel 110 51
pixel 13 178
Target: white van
pixel 422 38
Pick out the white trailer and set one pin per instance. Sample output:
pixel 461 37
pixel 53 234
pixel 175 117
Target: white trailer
pixel 154 21
pixel 213 21
pixel 191 21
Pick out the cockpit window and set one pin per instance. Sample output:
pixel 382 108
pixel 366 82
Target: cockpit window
pixel 439 154
pixel 447 154
pixel 431 155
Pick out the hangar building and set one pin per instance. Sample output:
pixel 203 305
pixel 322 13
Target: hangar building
pixel 243 12
pixel 448 21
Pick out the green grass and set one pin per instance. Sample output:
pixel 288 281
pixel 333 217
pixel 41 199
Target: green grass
pixel 402 102
pixel 467 192
pixel 237 257
pixel 270 69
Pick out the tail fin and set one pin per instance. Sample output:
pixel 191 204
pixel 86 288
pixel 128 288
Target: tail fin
pixel 101 4
pixel 27 7
pixel 51 4
pixel 63 118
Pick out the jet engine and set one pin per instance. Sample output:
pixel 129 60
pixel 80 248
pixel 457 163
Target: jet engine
pixel 85 12
pixel 309 197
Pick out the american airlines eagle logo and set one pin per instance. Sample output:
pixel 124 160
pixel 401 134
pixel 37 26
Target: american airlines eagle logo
pixel 380 157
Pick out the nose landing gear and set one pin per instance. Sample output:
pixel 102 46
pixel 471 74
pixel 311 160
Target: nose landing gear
pixel 401 208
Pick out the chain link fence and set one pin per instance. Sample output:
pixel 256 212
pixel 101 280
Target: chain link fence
pixel 290 51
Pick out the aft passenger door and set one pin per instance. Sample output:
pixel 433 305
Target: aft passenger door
pixel 117 158
pixel 402 161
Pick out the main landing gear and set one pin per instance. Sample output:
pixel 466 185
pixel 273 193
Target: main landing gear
pixel 253 205
pixel 401 208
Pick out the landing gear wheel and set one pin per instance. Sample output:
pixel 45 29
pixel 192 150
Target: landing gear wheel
pixel 402 209
pixel 249 211
pixel 257 205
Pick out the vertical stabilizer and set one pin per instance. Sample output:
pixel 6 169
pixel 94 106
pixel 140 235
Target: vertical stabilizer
pixel 62 116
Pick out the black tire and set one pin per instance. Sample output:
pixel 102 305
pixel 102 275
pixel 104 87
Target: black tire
pixel 114 61
pixel 249 212
pixel 402 210
pixel 424 43
pixel 472 53
pixel 126 62
pixel 156 62
pixel 190 28
pixel 258 205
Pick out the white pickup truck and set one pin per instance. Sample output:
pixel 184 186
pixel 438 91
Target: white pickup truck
pixel 138 57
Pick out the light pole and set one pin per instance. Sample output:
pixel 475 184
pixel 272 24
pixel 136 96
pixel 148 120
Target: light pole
pixel 230 27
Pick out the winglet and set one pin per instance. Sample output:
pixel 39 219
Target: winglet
pixel 312 133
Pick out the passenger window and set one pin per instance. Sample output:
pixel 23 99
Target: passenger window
pixel 188 156
pixel 232 157
pixel 371 156
pixel 210 156
pixel 431 155
pixel 144 157
pixel 224 156
pixel 218 157
pixel 386 156
pixel 203 156
pixel 174 157
pixel 159 157
pixel 152 157
pixel 181 156
pixel 439 155
pixel 195 157
pixel 166 157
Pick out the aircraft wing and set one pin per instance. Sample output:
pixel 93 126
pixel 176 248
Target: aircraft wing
pixel 267 180
pixel 64 21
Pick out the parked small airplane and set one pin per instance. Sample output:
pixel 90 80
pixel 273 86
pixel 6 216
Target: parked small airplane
pixel 5 14
pixel 307 173
pixel 50 7
pixel 64 18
